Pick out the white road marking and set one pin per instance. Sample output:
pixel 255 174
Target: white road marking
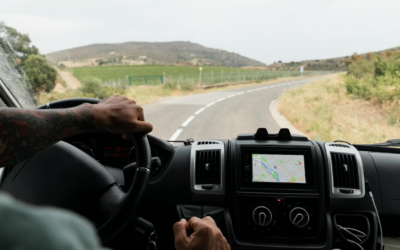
pixel 199 111
pixel 179 131
pixel 210 104
pixel 187 121
pixel 176 134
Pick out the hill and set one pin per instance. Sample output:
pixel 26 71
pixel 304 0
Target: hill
pixel 335 64
pixel 136 53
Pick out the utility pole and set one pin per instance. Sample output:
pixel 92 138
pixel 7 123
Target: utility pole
pixel 69 59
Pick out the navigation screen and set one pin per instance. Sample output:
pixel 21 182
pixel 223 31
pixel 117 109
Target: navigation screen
pixel 278 168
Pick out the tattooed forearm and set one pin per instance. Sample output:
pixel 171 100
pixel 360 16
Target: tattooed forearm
pixel 25 132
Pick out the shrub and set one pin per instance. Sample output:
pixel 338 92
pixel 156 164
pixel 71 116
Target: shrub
pixel 92 86
pixel 362 69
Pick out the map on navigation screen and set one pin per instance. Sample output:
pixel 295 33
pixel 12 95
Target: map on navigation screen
pixel 278 168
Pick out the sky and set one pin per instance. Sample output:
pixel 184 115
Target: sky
pixel 264 30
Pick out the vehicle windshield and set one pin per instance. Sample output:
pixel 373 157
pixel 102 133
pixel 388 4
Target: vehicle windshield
pixel 12 75
pixel 328 70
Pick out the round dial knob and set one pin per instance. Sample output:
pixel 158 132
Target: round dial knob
pixel 262 216
pixel 299 217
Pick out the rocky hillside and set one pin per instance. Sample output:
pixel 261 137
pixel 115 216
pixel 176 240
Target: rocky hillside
pixel 179 53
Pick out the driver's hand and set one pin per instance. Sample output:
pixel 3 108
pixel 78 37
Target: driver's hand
pixel 120 115
pixel 199 234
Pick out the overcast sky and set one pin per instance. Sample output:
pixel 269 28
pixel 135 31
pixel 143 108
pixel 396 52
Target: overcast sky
pixel 268 31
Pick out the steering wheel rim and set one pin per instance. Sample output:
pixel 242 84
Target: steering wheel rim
pixel 119 206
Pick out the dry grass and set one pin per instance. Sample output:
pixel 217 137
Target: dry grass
pixel 324 111
pixel 145 94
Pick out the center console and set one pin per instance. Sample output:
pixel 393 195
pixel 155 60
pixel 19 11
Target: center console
pixel 277 192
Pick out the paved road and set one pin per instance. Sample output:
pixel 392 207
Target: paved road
pixel 218 115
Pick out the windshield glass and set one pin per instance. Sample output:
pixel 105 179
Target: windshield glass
pixel 13 76
pixel 329 70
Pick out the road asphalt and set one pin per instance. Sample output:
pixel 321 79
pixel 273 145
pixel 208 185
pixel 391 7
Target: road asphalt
pixel 220 114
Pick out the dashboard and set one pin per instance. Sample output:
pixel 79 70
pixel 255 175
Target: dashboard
pixel 265 191
pixel 283 191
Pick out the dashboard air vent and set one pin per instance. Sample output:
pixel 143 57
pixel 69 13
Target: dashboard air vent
pixel 345 171
pixel 339 145
pixel 208 167
pixel 206 142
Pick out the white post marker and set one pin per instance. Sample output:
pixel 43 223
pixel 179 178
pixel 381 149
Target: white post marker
pixel 301 69
pixel 200 78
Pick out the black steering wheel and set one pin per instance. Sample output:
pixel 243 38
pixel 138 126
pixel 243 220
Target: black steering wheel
pixel 118 205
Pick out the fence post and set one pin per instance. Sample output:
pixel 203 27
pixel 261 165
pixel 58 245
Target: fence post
pixel 164 79
pixel 238 78
pixel 222 73
pixel 212 78
pixel 130 81
pixel 201 76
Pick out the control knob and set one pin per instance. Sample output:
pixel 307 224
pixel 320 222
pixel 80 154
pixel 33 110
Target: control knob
pixel 299 217
pixel 262 216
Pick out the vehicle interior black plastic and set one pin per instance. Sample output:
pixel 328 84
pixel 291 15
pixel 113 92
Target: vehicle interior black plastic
pixel 60 175
pixel 262 135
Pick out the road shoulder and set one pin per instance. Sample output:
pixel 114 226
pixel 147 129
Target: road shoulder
pixel 280 119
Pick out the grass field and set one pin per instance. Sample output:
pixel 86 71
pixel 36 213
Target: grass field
pixel 149 94
pixel 324 110
pixel 110 73
pixel 181 75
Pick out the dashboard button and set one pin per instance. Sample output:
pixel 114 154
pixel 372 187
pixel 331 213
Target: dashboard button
pixel 262 216
pixel 299 217
pixel 279 202
pixel 247 168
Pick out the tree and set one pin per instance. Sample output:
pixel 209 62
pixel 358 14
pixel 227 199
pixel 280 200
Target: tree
pixel 19 42
pixel 41 75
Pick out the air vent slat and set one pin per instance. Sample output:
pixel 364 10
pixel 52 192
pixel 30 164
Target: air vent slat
pixel 339 145
pixel 207 142
pixel 345 171
pixel 208 167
